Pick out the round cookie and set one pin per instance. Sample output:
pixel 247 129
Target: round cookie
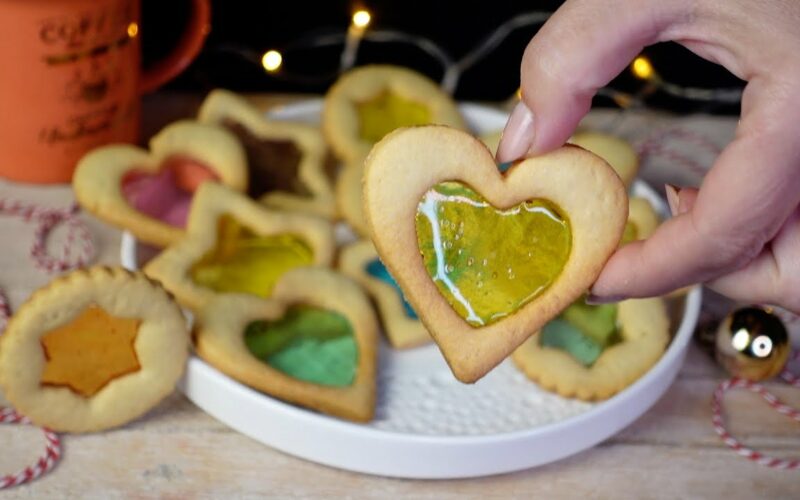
pixel 360 261
pixel 149 193
pixel 93 350
pixel 642 220
pixel 287 161
pixel 616 151
pixel 643 328
pixel 368 102
pixel 314 345
pixel 502 252
pixel 234 245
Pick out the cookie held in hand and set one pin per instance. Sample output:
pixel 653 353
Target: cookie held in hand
pixel 149 192
pixel 314 343
pixel 485 257
pixel 93 350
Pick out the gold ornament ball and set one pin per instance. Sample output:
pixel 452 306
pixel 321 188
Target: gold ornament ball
pixel 752 344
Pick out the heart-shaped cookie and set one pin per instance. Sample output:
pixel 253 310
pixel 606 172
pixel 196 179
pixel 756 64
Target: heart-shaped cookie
pixel 314 343
pixel 234 245
pixel 570 359
pixel 149 193
pixel 360 261
pixel 288 162
pixel 488 257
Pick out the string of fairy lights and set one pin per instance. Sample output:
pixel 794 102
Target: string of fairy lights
pixel 359 31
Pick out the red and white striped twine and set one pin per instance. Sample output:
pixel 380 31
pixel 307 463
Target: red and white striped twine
pixel 662 144
pixel 717 417
pixel 46 462
pixel 46 220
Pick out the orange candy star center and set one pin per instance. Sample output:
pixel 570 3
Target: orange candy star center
pixel 90 351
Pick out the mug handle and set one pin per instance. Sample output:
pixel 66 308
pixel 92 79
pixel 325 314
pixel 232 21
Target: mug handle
pixel 184 52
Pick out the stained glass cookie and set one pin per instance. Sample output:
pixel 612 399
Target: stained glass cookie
pixel 234 245
pixel 403 329
pixel 593 352
pixel 314 344
pixel 616 151
pixel 368 102
pixel 288 162
pixel 93 350
pixel 364 105
pixel 486 257
pixel 149 192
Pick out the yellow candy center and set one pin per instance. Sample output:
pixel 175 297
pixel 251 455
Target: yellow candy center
pixel 90 351
pixel 386 112
pixel 630 234
pixel 244 262
pixel 485 261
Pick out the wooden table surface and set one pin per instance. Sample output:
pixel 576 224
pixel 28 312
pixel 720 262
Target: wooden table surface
pixel 177 451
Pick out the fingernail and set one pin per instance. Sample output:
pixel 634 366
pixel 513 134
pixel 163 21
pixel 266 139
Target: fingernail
pixel 673 200
pixel 518 134
pixel 594 300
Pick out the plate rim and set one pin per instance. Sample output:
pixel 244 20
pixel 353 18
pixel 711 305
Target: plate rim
pixel 661 375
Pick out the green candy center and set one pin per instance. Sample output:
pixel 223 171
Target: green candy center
pixel 309 344
pixel 583 331
pixel 485 261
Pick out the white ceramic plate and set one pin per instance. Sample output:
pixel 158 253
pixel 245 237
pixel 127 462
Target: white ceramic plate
pixel 427 424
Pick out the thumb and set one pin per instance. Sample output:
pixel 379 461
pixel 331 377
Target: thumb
pixel 581 48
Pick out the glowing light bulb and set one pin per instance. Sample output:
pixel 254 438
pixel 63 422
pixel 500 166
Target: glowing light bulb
pixel 272 60
pixel 642 68
pixel 133 30
pixel 361 18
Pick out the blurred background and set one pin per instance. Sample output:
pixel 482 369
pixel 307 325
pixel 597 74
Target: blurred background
pixel 243 30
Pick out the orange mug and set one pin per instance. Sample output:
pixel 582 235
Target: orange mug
pixel 72 78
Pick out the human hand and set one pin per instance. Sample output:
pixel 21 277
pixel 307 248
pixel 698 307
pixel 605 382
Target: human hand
pixel 740 232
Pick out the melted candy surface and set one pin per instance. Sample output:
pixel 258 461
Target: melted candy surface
pixel 166 194
pixel 630 234
pixel 386 112
pixel 90 351
pixel 248 263
pixel 310 344
pixel 583 331
pixel 488 262
pixel 378 270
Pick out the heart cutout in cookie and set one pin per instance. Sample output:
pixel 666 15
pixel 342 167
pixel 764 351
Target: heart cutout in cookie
pixel 149 193
pixel 313 343
pixel 235 245
pixel 580 193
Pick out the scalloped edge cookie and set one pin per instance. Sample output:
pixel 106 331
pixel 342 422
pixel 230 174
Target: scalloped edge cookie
pixel 97 181
pixel 162 347
pixel 212 201
pixel 220 341
pixel 401 331
pixel 644 325
pixel 408 162
pixel 220 105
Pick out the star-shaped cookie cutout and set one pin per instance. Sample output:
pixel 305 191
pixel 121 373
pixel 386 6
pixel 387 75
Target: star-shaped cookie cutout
pixel 90 351
pixel 287 161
